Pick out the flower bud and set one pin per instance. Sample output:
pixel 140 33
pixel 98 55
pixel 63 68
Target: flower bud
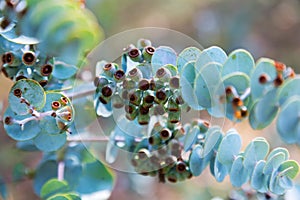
pixel 163 75
pixel 162 95
pixel 110 68
pixel 135 97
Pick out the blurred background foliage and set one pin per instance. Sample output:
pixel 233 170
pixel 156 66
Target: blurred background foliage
pixel 265 28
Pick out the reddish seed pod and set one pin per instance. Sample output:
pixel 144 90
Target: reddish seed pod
pixel 237 102
pixel 107 91
pixel 55 105
pixel 180 167
pixel 263 79
pixel 119 75
pixel 8 120
pixel 63 100
pixel 28 58
pixel 18 92
pixel 46 70
pixel 278 80
pixel 9 58
pixel 280 67
pixel 108 66
pixel 174 82
pixel 144 84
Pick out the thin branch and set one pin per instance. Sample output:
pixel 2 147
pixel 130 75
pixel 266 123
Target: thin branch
pixel 61 170
pixel 89 89
pixel 89 139
pixel 246 93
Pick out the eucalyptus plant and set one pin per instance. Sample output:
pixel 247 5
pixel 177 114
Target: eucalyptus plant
pixel 44 43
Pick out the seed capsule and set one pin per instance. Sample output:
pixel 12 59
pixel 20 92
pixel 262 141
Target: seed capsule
pixel 103 99
pixel 29 58
pixel 174 82
pixel 11 59
pixel 143 154
pixel 174 117
pixel 143 119
pixel 181 167
pixel 119 75
pixel 165 134
pixel 8 120
pixel 100 81
pixel 172 105
pixel 163 74
pixel 135 74
pixel 135 97
pixel 161 96
pixel 144 84
pixel 264 78
pixel 135 55
pixel 107 91
pixel 148 53
pixel 55 105
pixel 278 80
pixel 18 92
pixel 148 99
pixel 110 69
pixel 46 70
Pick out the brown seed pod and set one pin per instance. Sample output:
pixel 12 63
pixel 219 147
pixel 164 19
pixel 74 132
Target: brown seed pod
pixel 278 80
pixel 64 100
pixel 18 92
pixel 29 58
pixel 144 84
pixel 107 91
pixel 46 70
pixel 263 79
pixel 55 105
pixel 119 75
pixel 8 120
pixel 180 166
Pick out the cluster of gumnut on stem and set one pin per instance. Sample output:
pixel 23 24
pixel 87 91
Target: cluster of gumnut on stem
pixel 143 96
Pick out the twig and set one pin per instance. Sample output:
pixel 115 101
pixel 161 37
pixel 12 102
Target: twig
pixel 61 170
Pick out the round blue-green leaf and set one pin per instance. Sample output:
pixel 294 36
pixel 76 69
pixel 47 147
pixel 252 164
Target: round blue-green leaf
pixel 95 177
pixel 263 66
pixel 207 79
pixel 229 148
pixel 239 60
pixel 52 187
pixel 163 55
pixel 220 171
pixel 277 150
pixel 44 172
pixel 49 142
pixel 191 138
pixel 288 125
pixel 238 174
pixel 32 91
pixel 21 133
pixel 212 141
pixel 27 145
pixel 187 55
pixel 63 70
pixel 289 168
pixel 258 178
pixel 290 88
pixel 197 162
pixel 187 79
pixel 274 185
pixel 257 150
pixel 285 182
pixel 274 162
pixel 266 109
pixel 211 54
